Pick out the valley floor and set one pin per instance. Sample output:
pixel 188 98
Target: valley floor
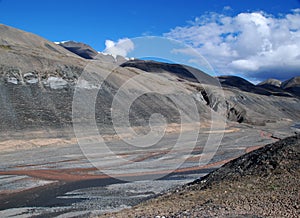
pixel 57 180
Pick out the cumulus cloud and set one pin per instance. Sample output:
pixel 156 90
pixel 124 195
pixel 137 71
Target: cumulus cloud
pixel 122 47
pixel 255 45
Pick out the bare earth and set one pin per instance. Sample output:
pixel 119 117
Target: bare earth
pixel 267 185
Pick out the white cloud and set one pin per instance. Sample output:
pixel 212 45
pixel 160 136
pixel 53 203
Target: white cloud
pixel 122 47
pixel 296 10
pixel 256 45
pixel 187 51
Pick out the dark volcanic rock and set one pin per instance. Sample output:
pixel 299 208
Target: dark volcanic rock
pixel 283 155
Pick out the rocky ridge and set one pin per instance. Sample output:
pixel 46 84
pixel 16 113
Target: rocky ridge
pixel 81 49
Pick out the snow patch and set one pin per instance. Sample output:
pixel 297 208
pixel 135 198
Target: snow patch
pixel 32 81
pixel 56 82
pixel 57 43
pixel 12 80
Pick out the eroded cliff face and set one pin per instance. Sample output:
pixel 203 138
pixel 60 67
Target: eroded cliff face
pixel 255 109
pixel 239 101
pixel 38 79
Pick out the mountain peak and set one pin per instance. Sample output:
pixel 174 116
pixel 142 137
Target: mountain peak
pixel 79 48
pixel 273 82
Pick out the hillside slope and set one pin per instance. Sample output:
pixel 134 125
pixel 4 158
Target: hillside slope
pixel 38 79
pixel 37 90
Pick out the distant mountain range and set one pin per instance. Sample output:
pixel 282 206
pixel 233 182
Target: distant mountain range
pixel 38 78
pixel 268 87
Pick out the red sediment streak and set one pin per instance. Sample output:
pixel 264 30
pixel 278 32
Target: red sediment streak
pixel 74 174
pixel 77 174
pixel 252 148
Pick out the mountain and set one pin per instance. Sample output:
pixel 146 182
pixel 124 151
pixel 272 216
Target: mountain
pixel 87 52
pixel 38 79
pixel 235 81
pixel 81 49
pixel 272 82
pixel 286 88
pixel 32 70
pixel 292 85
pixel 181 71
pixel 37 90
pixel 264 88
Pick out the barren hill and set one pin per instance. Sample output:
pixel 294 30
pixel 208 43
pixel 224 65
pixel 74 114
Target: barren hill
pixel 38 79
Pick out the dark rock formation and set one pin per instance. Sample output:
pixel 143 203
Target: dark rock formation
pixel 280 156
pixel 184 72
pixel 81 49
pixel 262 89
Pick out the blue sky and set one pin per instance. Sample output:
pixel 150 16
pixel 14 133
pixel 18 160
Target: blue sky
pixel 94 22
